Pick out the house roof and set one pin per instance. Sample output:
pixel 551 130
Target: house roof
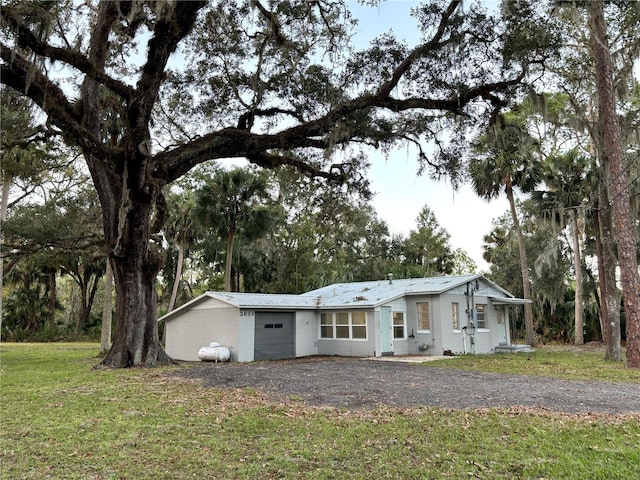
pixel 250 301
pixel 265 300
pixel 345 295
pixel 360 294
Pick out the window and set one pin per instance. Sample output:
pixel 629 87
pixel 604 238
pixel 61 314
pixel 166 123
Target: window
pixel 359 325
pixel 454 316
pixel 398 325
pixel 326 325
pixel 424 320
pixel 344 325
pixel 480 311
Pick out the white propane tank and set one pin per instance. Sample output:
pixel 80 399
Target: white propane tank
pixel 214 353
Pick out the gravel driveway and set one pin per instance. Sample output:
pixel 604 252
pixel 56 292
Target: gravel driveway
pixel 360 383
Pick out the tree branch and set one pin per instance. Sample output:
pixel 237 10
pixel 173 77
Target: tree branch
pixel 234 142
pixel 168 32
pixel 385 89
pixel 23 76
pixel 27 40
pixel 245 122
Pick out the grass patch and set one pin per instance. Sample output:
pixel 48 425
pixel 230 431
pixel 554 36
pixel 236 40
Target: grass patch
pixel 61 419
pixel 565 363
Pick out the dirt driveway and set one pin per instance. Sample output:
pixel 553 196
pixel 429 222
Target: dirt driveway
pixel 360 383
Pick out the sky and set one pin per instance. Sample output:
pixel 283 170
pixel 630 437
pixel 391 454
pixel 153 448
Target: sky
pixel 400 192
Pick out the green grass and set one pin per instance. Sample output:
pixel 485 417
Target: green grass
pixel 61 419
pixel 566 363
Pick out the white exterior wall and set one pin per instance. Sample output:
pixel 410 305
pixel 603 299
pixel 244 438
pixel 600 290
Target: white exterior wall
pixel 486 339
pixel 307 326
pixel 197 327
pixel 246 336
pixel 351 348
pixel 452 338
pixel 431 338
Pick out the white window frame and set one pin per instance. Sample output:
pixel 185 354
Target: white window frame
pixel 404 326
pixel 330 319
pixel 484 317
pixel 327 320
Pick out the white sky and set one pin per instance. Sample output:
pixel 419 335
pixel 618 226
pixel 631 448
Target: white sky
pixel 400 192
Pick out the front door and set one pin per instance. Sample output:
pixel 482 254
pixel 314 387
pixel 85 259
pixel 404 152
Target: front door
pixel 386 331
pixel 502 326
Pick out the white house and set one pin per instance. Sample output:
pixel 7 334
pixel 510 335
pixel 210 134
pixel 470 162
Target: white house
pixel 463 314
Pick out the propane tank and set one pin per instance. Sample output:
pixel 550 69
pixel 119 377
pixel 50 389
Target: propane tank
pixel 214 353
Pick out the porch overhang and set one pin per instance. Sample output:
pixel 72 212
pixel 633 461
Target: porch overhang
pixel 509 301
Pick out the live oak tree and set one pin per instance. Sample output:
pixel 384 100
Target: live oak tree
pixel 266 81
pixel 25 161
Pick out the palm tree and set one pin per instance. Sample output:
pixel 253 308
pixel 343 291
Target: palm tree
pixel 505 160
pixel 183 229
pixel 567 188
pixel 228 204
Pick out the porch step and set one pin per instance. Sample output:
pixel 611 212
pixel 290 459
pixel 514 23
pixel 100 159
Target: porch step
pixel 514 349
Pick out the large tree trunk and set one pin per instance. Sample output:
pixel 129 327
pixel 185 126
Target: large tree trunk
pixel 530 337
pixel 577 260
pixel 176 282
pixel 620 193
pixel 228 261
pixel 609 294
pixel 135 267
pixel 105 331
pixel 83 315
pixel 4 205
pixel 53 300
pixel 131 199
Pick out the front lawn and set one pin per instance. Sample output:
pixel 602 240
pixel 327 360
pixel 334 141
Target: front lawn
pixel 61 419
pixel 557 361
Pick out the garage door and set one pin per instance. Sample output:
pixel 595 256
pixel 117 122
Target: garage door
pixel 274 336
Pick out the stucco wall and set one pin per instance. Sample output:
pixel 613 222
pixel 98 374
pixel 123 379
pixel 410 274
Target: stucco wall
pixel 307 331
pixel 347 347
pixel 452 338
pixel 486 339
pixel 431 338
pixel 442 335
pixel 246 336
pixel 198 327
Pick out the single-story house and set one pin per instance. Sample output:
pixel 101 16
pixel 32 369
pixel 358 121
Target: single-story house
pixel 460 314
